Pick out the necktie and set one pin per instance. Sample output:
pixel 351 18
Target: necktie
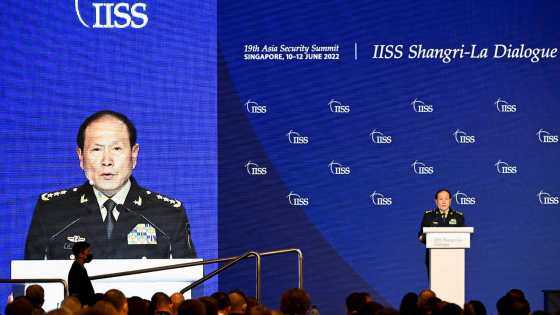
pixel 444 217
pixel 109 220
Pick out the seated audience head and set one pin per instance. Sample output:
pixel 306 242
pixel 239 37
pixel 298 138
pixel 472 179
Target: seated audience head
pixel 223 303
pixel 437 306
pixel 162 303
pixel 424 296
pixel 176 298
pixel 504 305
pixel 354 301
pixel 238 302
pixel 137 306
pixel 451 309
pixel 520 306
pixel 92 300
pixel 60 311
pixel 72 304
pixel 251 302
pixel 369 308
pixel 211 305
pixel 544 312
pixel 295 302
pixel 102 307
pixel 36 295
pixel 277 312
pixel 192 307
pixel 118 300
pixel 368 297
pixel 516 293
pixel 19 306
pixel 258 310
pixel 409 304
pixel 478 307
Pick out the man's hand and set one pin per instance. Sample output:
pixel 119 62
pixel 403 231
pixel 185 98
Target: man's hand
pixel 420 238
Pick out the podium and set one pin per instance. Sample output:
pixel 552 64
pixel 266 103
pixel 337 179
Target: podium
pixel 143 285
pixel 447 261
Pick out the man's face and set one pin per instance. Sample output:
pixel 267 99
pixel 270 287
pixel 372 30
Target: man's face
pixel 107 158
pixel 443 200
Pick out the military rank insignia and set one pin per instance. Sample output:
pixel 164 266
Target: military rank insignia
pixel 142 234
pixel 453 221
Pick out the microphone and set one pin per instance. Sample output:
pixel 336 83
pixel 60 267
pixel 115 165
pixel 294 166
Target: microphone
pixel 433 225
pixel 88 211
pixel 120 208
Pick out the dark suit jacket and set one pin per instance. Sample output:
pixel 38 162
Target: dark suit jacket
pixel 433 218
pixel 78 281
pixel 54 211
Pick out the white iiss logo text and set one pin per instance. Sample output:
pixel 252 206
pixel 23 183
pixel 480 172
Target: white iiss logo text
pixel 504 168
pixel 337 107
pixel 462 137
pixel 296 200
pixel 254 108
pixel 546 199
pixel 116 15
pixel 378 137
pixel 504 107
pixel 296 138
pixel 338 169
pixel 546 137
pixel 421 168
pixel 463 199
pixel 380 200
pixel 254 169
pixel 420 107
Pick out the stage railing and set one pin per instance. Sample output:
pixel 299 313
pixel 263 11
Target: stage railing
pixel 213 261
pixel 64 284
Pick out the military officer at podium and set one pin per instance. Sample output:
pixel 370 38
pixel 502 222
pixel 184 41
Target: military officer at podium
pixel 110 210
pixel 442 216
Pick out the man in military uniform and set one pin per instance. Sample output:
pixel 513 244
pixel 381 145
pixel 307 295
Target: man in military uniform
pixel 110 211
pixel 442 216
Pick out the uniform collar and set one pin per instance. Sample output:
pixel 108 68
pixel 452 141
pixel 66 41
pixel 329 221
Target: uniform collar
pixel 118 198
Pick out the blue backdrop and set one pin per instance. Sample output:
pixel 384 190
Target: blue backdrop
pixel 352 242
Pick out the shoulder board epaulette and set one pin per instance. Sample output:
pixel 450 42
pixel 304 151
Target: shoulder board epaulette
pixel 430 211
pixel 60 194
pixel 163 199
pixel 457 212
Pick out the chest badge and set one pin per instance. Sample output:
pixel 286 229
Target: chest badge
pixel 453 221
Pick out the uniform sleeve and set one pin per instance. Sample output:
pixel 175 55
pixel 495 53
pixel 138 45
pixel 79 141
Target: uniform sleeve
pixel 183 246
pixel 462 223
pixel 424 220
pixel 36 237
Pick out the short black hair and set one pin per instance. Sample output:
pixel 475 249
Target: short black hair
pixel 161 299
pixel 354 301
pixel 129 126
pixel 447 191
pixel 79 247
pixel 223 300
pixel 295 302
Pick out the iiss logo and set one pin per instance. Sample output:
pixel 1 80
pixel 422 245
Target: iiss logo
pixel 462 137
pixel 378 137
pixel 504 107
pixel 254 108
pixel 296 138
pixel 338 169
pixel 337 107
pixel 463 199
pixel 504 168
pixel 254 169
pixel 296 200
pixel 421 168
pixel 545 137
pixel 380 200
pixel 546 199
pixel 420 107
pixel 116 15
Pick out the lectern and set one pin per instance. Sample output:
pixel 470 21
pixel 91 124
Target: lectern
pixel 447 261
pixel 143 285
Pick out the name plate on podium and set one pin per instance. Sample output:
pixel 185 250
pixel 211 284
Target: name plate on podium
pixel 448 237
